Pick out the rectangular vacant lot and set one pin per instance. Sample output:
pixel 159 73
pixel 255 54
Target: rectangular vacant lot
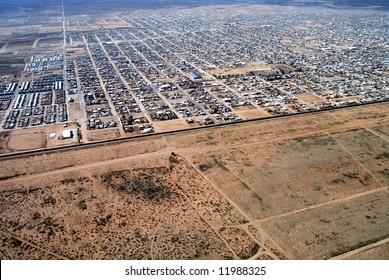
pixel 276 178
pixel 369 149
pixel 334 229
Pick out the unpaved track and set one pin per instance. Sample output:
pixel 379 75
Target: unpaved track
pixel 172 144
pixel 362 249
pixel 194 150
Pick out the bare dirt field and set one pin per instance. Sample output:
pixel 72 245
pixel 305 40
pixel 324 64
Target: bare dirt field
pixel 26 141
pixel 2 116
pixel 308 97
pixel 11 64
pixel 354 224
pixel 378 252
pixel 74 109
pixel 35 138
pixel 302 187
pixel 96 135
pixel 112 23
pixel 170 125
pixel 4 136
pixel 253 114
pixel 382 129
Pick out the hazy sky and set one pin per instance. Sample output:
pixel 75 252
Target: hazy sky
pixel 185 2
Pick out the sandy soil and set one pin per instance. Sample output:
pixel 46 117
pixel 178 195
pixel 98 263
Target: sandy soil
pixel 302 50
pixel 35 138
pixel 170 125
pixel 304 187
pixel 2 116
pixel 109 133
pixel 26 141
pixel 380 252
pixel 252 114
pixel 307 97
pixel 365 217
pixel 74 109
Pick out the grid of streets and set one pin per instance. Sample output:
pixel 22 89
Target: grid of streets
pixel 165 69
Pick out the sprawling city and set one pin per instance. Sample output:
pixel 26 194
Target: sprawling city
pixel 220 131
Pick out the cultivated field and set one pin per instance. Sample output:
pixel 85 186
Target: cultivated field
pixel 302 187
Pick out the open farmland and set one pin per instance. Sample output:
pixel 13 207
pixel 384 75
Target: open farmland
pixel 303 187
